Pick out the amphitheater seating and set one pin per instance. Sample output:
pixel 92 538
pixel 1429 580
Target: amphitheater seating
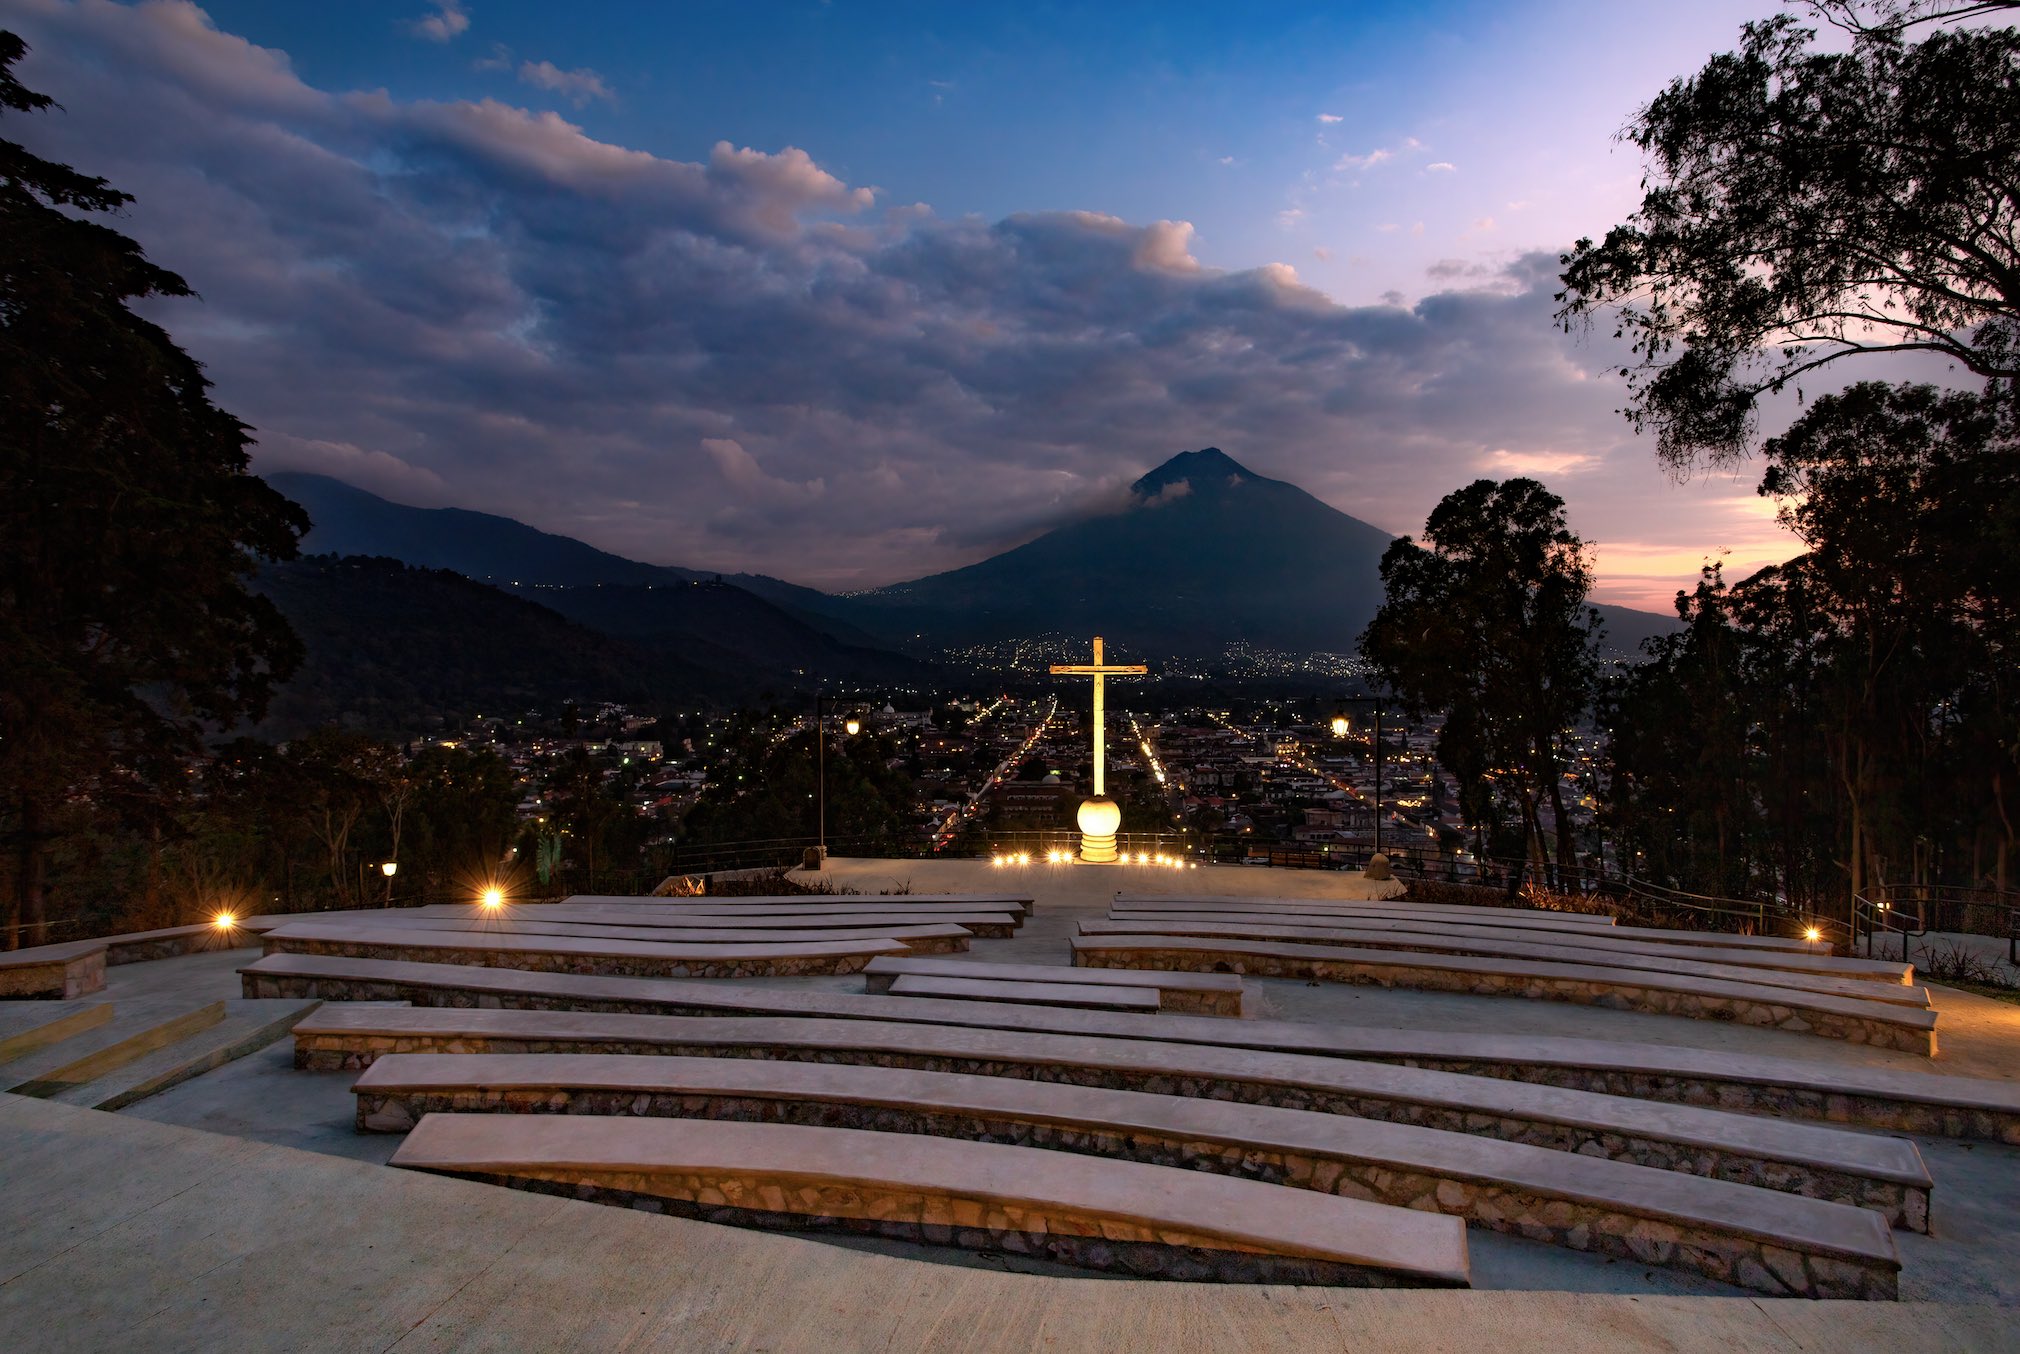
pixel 987 902
pixel 1716 1228
pixel 1151 1221
pixel 575 954
pixel 924 939
pixel 1860 1021
pixel 1895 1101
pixel 1486 916
pixel 53 972
pixel 1086 995
pixel 1196 993
pixel 1518 945
pixel 1622 941
pixel 1869 1171
pixel 997 925
pixel 1254 909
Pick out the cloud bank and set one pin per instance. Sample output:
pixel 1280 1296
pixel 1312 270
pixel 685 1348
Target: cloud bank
pixel 743 361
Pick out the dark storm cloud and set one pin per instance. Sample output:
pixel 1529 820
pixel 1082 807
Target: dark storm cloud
pixel 746 362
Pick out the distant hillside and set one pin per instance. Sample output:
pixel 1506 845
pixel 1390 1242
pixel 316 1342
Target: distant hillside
pixel 492 549
pixel 727 631
pixel 389 647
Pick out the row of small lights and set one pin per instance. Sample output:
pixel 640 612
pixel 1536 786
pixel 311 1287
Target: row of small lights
pixel 1066 858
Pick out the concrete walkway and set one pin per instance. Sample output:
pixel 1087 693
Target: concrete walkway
pixel 214 1243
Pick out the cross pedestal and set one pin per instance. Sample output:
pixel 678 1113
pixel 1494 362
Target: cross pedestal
pixel 1100 816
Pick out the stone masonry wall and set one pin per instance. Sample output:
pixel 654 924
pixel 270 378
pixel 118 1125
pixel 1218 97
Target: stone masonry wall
pixel 55 979
pixel 1902 1205
pixel 600 965
pixel 1624 995
pixel 1717 1253
pixel 1088 1242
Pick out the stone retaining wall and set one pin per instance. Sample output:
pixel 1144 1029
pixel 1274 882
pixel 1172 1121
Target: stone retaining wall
pixel 141 951
pixel 1727 1256
pixel 54 979
pixel 1745 1097
pixel 1620 995
pixel 1086 1242
pixel 1902 1205
pixel 592 965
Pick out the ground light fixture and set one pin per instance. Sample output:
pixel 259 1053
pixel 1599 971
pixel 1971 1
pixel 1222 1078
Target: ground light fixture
pixel 224 921
pixel 1813 933
pixel 493 899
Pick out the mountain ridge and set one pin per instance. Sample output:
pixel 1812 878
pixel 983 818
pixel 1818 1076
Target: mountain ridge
pixel 1204 553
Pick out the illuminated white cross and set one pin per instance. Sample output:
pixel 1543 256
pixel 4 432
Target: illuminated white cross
pixel 1100 672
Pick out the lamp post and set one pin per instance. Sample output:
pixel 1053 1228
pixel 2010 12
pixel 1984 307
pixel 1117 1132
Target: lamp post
pixel 391 868
pixel 1340 728
pixel 852 727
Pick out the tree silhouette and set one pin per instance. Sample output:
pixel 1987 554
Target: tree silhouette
pixel 1805 206
pixel 1487 622
pixel 128 520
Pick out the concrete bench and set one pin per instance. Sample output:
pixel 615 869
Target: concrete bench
pixel 1882 1173
pixel 58 972
pixel 1729 1232
pixel 1504 944
pixel 1609 942
pixel 1833 1017
pixel 1398 907
pixel 1254 909
pixel 1144 1220
pixel 926 939
pixel 1897 1101
pixel 996 925
pixel 1082 995
pixel 985 902
pixel 814 913
pixel 1219 994
pixel 573 954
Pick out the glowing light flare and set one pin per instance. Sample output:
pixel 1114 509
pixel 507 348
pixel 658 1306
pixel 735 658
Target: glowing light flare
pixel 224 921
pixel 1813 933
pixel 492 899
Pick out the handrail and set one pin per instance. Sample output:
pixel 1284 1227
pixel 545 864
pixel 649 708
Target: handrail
pixel 1874 915
pixel 1947 907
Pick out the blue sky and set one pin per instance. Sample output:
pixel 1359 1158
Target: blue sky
pixel 852 293
pixel 1207 114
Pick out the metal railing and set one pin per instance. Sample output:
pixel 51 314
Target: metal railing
pixel 1876 916
pixel 1948 908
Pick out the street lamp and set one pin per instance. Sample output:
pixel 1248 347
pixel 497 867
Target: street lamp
pixel 1340 731
pixel 391 868
pixel 852 727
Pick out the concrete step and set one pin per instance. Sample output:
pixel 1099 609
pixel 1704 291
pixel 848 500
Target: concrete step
pixel 27 1027
pixel 134 1031
pixel 248 1026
